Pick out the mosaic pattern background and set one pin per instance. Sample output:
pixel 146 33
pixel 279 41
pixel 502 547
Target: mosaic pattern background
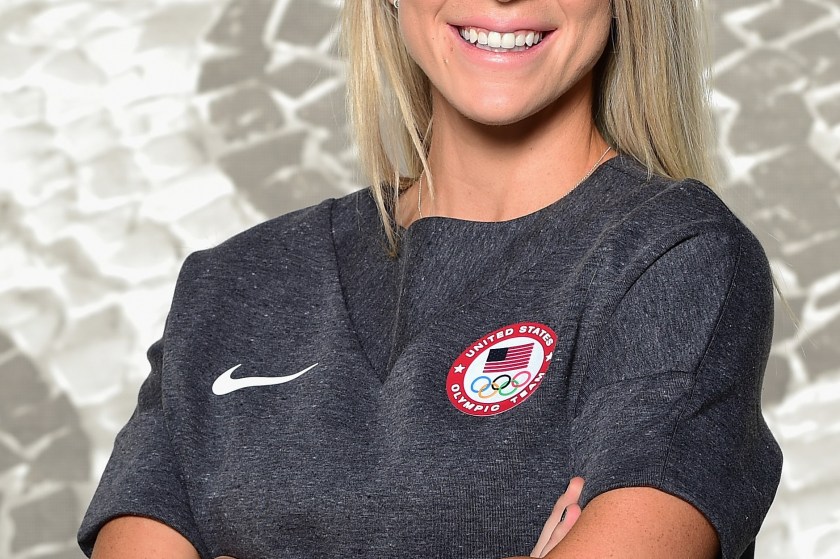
pixel 133 133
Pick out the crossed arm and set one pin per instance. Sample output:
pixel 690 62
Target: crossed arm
pixel 633 522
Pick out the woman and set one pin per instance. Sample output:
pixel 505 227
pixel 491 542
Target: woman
pixel 421 367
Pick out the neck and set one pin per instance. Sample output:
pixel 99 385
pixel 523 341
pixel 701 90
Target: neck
pixel 481 172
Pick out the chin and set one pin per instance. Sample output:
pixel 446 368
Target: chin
pixel 505 107
pixel 498 116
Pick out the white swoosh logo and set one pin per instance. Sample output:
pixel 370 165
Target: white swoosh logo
pixel 225 384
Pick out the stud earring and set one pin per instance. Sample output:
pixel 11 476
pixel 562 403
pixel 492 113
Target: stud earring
pixel 397 4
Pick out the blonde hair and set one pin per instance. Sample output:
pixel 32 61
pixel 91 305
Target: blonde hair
pixel 651 99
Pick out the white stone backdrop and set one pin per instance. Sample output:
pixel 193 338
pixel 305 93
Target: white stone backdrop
pixel 133 132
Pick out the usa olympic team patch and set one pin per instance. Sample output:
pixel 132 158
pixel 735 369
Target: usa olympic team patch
pixel 501 369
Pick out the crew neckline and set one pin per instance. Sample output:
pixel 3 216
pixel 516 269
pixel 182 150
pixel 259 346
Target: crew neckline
pixel 441 221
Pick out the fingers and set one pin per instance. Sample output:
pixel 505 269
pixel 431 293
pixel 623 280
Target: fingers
pixel 559 515
pixel 575 487
pixel 560 531
pixel 572 493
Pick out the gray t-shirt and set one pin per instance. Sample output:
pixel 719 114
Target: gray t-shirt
pixel 311 397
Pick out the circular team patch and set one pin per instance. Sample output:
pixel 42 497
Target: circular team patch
pixel 501 369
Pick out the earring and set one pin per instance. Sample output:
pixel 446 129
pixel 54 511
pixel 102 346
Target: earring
pixel 397 4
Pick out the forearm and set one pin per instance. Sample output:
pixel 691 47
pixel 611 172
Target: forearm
pixel 129 537
pixel 638 522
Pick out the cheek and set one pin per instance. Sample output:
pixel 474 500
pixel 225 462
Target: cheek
pixel 419 44
pixel 443 44
pixel 594 32
pixel 601 21
pixel 427 49
pixel 595 16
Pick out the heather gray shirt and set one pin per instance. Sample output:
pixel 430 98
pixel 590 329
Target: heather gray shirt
pixel 446 397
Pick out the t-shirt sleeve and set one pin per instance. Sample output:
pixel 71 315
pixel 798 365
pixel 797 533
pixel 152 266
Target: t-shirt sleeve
pixel 143 476
pixel 671 398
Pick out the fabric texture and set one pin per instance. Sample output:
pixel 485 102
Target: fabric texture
pixel 656 303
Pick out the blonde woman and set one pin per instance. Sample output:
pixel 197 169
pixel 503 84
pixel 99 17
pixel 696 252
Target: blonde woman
pixel 539 291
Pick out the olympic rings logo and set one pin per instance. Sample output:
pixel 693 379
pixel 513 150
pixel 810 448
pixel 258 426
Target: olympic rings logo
pixel 498 387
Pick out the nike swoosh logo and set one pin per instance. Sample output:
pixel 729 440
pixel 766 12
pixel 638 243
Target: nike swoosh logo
pixel 225 384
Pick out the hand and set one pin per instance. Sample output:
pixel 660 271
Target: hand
pixel 564 515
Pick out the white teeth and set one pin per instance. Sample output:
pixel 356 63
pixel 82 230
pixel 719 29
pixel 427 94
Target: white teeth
pixel 498 41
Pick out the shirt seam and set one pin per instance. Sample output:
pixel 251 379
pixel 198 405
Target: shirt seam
pixel 343 293
pixel 702 361
pixel 608 318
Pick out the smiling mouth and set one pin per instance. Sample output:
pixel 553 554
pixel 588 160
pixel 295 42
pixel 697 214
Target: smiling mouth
pixel 495 41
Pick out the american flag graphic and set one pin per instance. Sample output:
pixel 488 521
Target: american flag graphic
pixel 504 359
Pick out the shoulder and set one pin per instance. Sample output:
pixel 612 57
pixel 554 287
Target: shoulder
pixel 273 273
pixel 648 203
pixel 653 216
pixel 671 255
pixel 303 239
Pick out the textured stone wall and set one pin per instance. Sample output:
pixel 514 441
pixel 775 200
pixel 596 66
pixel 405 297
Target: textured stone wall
pixel 135 132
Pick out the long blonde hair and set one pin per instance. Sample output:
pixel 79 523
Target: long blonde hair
pixel 651 99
